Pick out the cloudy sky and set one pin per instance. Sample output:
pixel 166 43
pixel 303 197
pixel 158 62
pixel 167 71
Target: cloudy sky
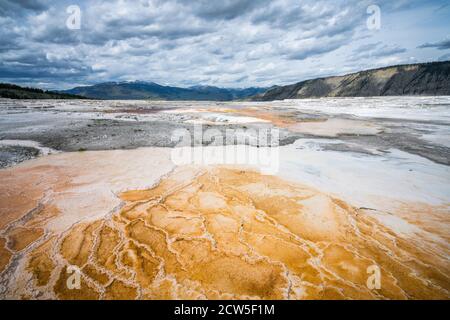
pixel 228 43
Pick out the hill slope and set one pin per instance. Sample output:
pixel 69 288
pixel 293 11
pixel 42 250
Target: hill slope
pixel 148 90
pixel 415 79
pixel 13 91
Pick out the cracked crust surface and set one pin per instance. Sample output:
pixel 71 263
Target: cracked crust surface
pixel 219 233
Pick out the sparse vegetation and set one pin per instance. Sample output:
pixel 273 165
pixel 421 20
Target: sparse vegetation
pixel 13 91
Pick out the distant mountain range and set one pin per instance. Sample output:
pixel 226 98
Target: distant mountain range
pixel 13 91
pixel 138 90
pixel 414 79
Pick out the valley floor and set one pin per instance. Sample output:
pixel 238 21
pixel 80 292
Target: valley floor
pixel 356 185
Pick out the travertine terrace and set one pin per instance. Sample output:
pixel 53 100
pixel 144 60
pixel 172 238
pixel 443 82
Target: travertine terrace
pixel 353 191
pixel 216 232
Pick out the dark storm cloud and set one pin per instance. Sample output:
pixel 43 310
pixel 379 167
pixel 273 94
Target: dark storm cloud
pixel 224 9
pixel 16 7
pixel 121 32
pixel 56 34
pixel 314 47
pixel 102 22
pixel 40 66
pixel 280 16
pixel 376 50
pixel 23 73
pixel 445 57
pixel 8 43
pixel 441 45
pixel 36 5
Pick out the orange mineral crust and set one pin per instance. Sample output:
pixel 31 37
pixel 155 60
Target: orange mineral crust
pixel 227 233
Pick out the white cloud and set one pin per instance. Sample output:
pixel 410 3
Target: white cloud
pixel 180 42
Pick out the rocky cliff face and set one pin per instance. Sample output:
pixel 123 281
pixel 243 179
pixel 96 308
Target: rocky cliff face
pixel 415 79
